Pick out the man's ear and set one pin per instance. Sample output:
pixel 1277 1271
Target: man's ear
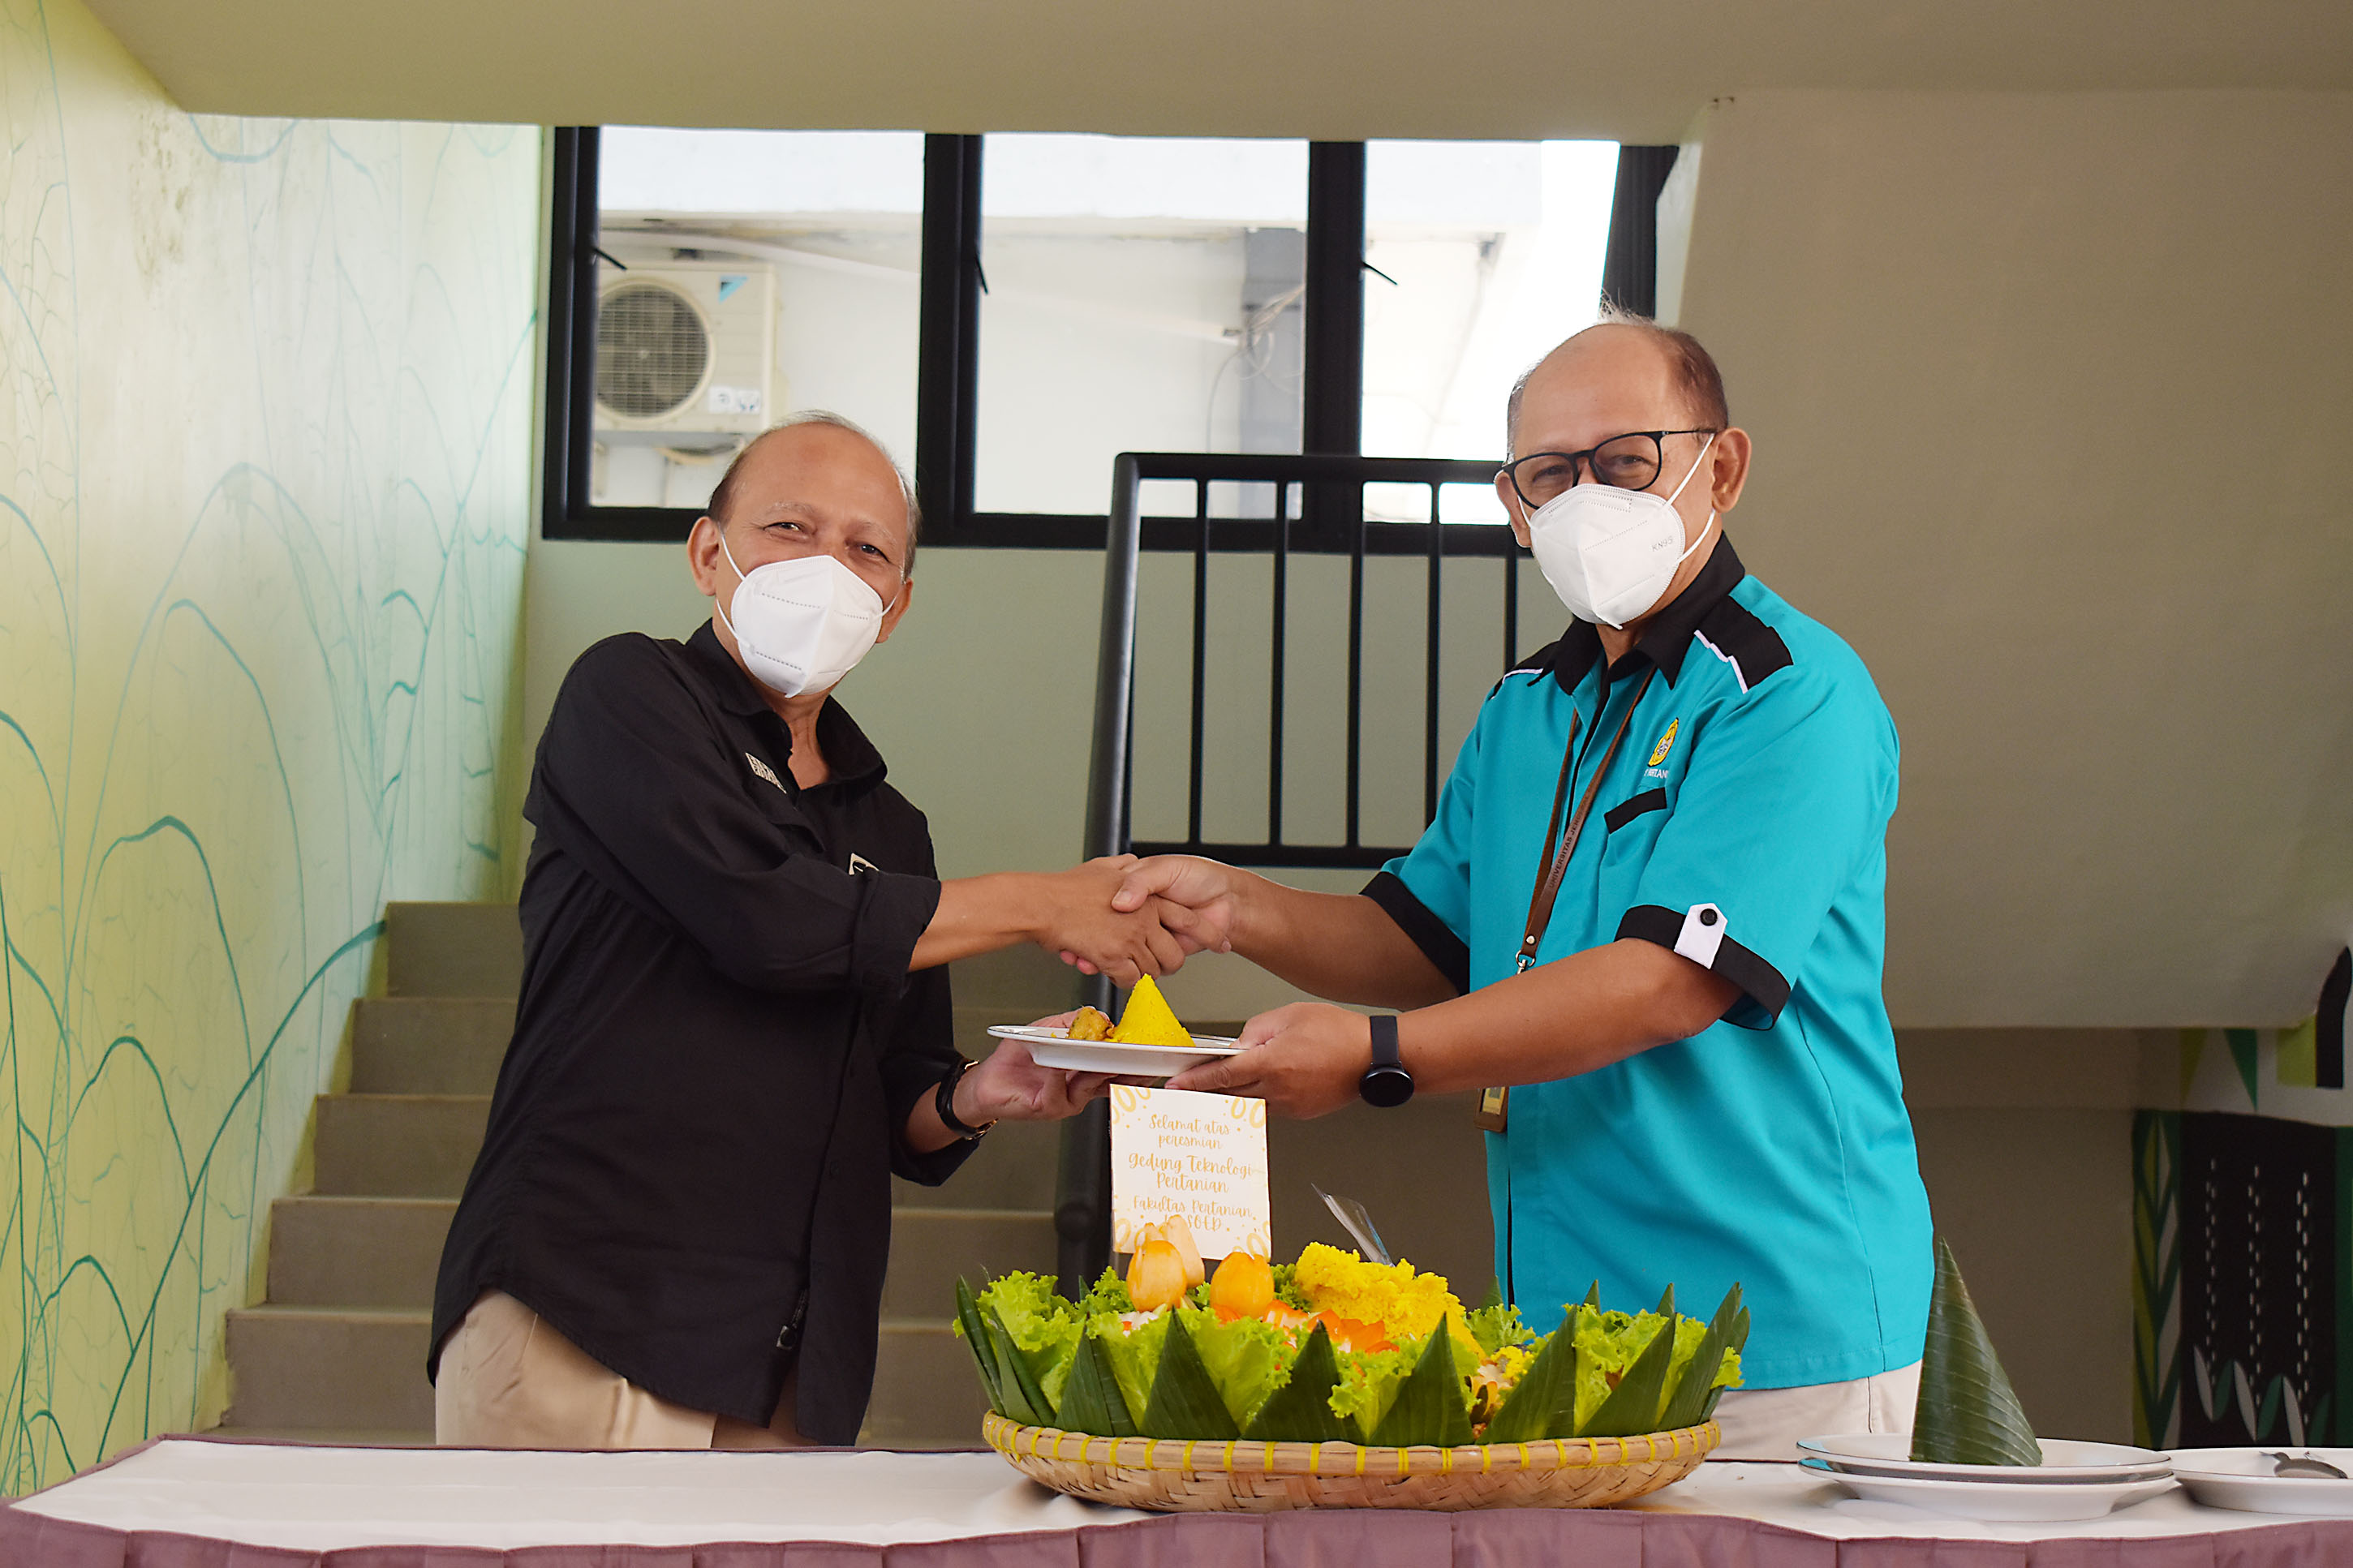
pixel 897 611
pixel 703 556
pixel 1510 496
pixel 1729 473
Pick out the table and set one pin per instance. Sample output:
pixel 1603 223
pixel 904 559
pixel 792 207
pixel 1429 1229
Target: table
pixel 183 1502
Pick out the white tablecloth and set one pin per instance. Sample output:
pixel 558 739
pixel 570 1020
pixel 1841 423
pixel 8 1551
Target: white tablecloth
pixel 313 1500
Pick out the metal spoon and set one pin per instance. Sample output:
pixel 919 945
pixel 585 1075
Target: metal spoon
pixel 2304 1465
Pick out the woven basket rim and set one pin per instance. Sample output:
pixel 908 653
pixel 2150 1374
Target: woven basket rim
pixel 1259 1456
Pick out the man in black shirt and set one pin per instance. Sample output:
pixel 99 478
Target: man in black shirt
pixel 733 1026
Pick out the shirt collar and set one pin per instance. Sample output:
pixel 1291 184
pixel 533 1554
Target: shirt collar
pixel 1669 634
pixel 850 755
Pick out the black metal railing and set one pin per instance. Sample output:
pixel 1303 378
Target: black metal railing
pixel 1317 501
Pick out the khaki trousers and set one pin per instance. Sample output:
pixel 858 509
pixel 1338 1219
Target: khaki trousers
pixel 1765 1423
pixel 507 1380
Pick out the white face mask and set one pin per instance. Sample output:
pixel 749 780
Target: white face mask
pixel 802 624
pixel 1610 553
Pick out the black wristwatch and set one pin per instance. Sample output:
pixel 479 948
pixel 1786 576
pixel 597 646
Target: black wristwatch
pixel 943 1101
pixel 1385 1082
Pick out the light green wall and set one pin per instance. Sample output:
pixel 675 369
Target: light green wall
pixel 264 476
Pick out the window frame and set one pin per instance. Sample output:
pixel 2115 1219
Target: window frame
pixel 948 337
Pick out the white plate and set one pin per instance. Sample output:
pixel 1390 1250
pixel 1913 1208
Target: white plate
pixel 1055 1049
pixel 2065 1462
pixel 2023 1503
pixel 2241 1478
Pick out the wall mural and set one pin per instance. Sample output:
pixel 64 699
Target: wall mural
pixel 264 449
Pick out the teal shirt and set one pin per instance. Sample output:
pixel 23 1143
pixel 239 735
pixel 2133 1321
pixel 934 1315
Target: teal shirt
pixel 1773 1149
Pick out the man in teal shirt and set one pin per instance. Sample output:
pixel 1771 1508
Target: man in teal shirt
pixel 1651 902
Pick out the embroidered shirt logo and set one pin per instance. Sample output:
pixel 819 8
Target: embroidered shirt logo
pixel 765 771
pixel 861 863
pixel 1666 742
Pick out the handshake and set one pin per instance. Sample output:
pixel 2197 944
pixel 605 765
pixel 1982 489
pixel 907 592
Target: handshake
pixel 1126 917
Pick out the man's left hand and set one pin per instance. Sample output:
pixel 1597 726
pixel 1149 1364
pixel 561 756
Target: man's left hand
pixel 1303 1060
pixel 1008 1086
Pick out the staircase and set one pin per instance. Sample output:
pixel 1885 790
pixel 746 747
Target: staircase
pixel 336 1353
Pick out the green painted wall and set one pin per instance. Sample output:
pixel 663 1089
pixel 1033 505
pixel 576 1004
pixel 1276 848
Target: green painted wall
pixel 265 444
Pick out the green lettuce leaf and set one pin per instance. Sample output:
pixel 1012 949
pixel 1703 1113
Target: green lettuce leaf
pixel 1287 1290
pixel 1968 1414
pixel 1107 1294
pixel 1247 1359
pixel 1495 1326
pixel 1369 1380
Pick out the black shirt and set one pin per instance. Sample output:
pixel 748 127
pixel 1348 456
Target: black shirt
pixel 716 1047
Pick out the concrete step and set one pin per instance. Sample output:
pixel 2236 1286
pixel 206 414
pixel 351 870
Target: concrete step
pixel 1012 1169
pixel 346 1368
pixel 927 1389
pixel 931 1248
pixel 356 1252
pixel 429 1045
pixel 398 1145
pixel 452 950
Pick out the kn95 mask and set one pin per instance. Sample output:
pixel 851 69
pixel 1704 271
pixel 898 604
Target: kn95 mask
pixel 803 624
pixel 1609 553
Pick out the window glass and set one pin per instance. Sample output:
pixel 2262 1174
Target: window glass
pixel 1145 294
pixel 753 273
pixel 1487 253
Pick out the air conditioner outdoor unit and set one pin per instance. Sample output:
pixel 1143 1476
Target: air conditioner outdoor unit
pixel 686 354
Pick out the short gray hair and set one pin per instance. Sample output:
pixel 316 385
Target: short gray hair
pixel 722 495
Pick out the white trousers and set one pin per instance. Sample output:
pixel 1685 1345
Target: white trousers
pixel 1765 1423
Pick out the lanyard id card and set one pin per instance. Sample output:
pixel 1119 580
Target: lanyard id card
pixel 1494 1114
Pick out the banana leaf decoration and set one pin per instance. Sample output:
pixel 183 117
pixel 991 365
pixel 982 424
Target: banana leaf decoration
pixel 1542 1403
pixel 1688 1404
pixel 1185 1402
pixel 1301 1410
pixel 976 1340
pixel 1632 1407
pixel 1025 1400
pixel 1968 1414
pixel 1091 1399
pixel 1429 1409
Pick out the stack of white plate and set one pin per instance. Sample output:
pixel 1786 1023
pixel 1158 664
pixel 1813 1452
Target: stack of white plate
pixel 2076 1480
pixel 2248 1478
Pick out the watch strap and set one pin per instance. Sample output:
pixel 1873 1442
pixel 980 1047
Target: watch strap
pixel 1384 1040
pixel 943 1101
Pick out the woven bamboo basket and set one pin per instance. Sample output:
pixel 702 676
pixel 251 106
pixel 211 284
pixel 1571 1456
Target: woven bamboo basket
pixel 1173 1475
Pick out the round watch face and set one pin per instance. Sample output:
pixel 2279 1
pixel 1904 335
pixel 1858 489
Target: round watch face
pixel 1386 1086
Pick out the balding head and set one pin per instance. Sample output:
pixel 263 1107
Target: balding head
pixel 1628 361
pixel 821 436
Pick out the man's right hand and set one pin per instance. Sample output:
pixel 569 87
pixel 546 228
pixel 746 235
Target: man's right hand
pixel 1081 922
pixel 1204 898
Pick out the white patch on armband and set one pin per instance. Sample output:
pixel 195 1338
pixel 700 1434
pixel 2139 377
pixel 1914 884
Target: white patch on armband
pixel 1703 933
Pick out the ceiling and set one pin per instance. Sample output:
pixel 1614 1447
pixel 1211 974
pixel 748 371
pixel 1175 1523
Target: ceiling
pixel 1337 69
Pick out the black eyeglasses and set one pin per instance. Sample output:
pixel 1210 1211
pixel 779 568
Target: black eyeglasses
pixel 1627 462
